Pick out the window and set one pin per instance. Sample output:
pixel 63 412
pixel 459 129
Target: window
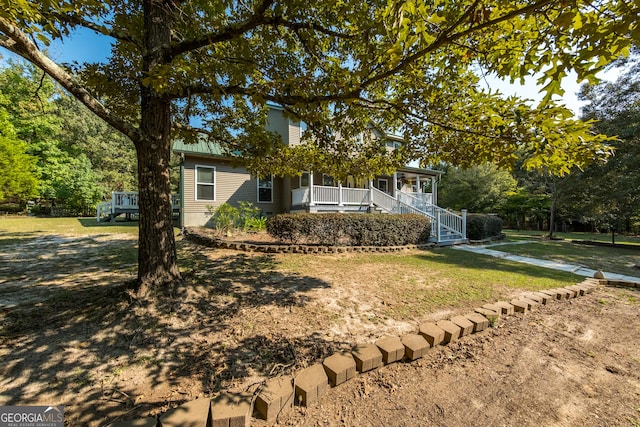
pixel 393 144
pixel 265 190
pixel 304 179
pixel 205 183
pixel 327 180
pixel 383 185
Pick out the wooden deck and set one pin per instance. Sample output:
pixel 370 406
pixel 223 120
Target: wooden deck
pixel 126 203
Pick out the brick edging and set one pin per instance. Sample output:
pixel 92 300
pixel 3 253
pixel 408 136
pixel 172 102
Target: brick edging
pixel 282 248
pixel 279 394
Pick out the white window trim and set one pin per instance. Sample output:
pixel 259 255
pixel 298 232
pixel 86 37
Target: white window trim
pixel 258 190
pixel 214 185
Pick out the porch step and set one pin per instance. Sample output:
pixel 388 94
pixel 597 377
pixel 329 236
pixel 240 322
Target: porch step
pixel 453 242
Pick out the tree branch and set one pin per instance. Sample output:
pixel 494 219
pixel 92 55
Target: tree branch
pixel 392 106
pixel 225 34
pixel 18 42
pixel 110 32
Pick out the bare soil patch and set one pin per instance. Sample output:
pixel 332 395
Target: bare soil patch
pixel 71 335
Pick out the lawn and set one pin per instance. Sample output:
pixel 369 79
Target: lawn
pixel 237 317
pixel 518 235
pixel 25 226
pixel 613 259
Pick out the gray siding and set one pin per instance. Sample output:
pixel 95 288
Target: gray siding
pixel 232 185
pixel 290 131
pixel 295 132
pixel 277 123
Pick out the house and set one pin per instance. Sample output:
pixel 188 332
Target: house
pixel 209 179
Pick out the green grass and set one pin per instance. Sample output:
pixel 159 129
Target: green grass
pixel 612 259
pixel 423 282
pixel 518 235
pixel 413 283
pixel 29 226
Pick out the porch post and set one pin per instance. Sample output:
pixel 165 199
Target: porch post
pixel 311 202
pixel 438 226
pixel 464 224
pixel 418 189
pixel 434 191
pixel 395 185
pixel 371 192
pixel 340 194
pixel 113 203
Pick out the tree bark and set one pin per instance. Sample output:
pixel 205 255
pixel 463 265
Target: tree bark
pixel 552 213
pixel 157 257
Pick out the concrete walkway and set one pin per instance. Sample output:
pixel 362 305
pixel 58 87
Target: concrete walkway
pixel 554 265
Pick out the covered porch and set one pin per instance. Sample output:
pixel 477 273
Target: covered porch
pixel 406 191
pixel 412 186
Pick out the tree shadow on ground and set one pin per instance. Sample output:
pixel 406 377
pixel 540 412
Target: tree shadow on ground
pixel 90 346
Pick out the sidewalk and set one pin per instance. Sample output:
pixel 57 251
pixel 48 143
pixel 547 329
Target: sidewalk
pixel 575 269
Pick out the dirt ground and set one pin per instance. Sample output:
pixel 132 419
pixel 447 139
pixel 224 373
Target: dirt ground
pixel 72 336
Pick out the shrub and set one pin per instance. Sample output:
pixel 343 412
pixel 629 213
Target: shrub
pixel 481 226
pixel 350 229
pixel 227 218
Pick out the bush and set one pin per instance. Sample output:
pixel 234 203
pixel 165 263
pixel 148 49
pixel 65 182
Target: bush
pixel 481 226
pixel 227 218
pixel 350 229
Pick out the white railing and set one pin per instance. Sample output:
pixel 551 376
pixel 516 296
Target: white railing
pixel 392 205
pixel 455 224
pixel 126 201
pixel 103 210
pixel 355 196
pixel 325 195
pixel 445 225
pixel 418 200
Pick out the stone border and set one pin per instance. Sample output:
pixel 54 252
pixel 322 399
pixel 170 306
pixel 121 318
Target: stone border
pixel 281 248
pixel 278 395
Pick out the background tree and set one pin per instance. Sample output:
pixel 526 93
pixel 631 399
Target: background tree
pixel 482 189
pixel 406 65
pixel 18 180
pixel 110 153
pixel 609 194
pixel 79 158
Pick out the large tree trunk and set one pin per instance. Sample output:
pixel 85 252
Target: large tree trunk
pixel 157 258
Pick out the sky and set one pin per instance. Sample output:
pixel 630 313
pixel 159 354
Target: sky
pixel 86 46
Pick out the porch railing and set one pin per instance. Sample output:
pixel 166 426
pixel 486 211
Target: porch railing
pixel 324 195
pixel 418 200
pixel 445 225
pixel 125 201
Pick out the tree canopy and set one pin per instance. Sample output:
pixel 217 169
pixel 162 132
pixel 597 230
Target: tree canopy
pixel 72 157
pixel 411 66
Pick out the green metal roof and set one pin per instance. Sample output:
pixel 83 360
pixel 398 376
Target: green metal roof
pixel 210 149
pixel 202 148
pixel 411 169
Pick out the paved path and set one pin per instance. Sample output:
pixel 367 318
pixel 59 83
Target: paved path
pixel 571 268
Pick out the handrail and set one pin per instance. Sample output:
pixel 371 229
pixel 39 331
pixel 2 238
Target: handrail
pixel 441 219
